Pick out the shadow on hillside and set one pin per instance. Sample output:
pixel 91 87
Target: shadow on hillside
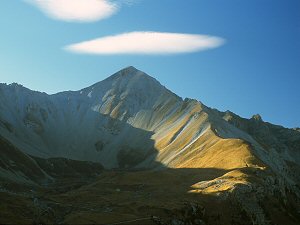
pixel 78 194
pixel 127 146
pixel 133 191
pixel 114 196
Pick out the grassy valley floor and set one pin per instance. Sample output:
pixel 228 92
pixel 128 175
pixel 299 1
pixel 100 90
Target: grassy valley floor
pixel 209 196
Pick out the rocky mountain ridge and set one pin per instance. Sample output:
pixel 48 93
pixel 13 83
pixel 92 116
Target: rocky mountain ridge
pixel 130 122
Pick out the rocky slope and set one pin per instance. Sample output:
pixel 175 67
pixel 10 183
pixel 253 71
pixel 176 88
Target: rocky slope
pixel 18 167
pixel 131 122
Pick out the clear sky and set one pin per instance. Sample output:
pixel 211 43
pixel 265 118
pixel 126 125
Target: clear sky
pixel 252 66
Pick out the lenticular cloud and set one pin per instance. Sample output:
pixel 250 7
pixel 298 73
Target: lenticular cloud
pixel 76 10
pixel 147 43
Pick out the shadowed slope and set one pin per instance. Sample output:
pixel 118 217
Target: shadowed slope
pixel 17 166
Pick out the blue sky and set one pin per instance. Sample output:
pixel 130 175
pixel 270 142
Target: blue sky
pixel 256 70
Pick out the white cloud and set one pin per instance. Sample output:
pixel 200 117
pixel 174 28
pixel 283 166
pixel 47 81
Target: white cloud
pixel 147 43
pixel 76 10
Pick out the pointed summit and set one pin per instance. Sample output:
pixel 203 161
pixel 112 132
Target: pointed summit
pixel 130 69
pixel 127 80
pixel 130 87
pixel 128 73
pixel 132 79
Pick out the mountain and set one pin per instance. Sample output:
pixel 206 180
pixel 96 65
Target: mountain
pixel 130 122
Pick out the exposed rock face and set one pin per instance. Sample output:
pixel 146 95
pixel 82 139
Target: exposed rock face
pixel 257 118
pixel 280 147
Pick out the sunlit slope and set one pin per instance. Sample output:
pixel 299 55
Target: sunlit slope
pixel 186 139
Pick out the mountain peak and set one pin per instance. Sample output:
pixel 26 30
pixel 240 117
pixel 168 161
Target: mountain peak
pixel 129 72
pixel 129 83
pixel 132 78
pixel 130 69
